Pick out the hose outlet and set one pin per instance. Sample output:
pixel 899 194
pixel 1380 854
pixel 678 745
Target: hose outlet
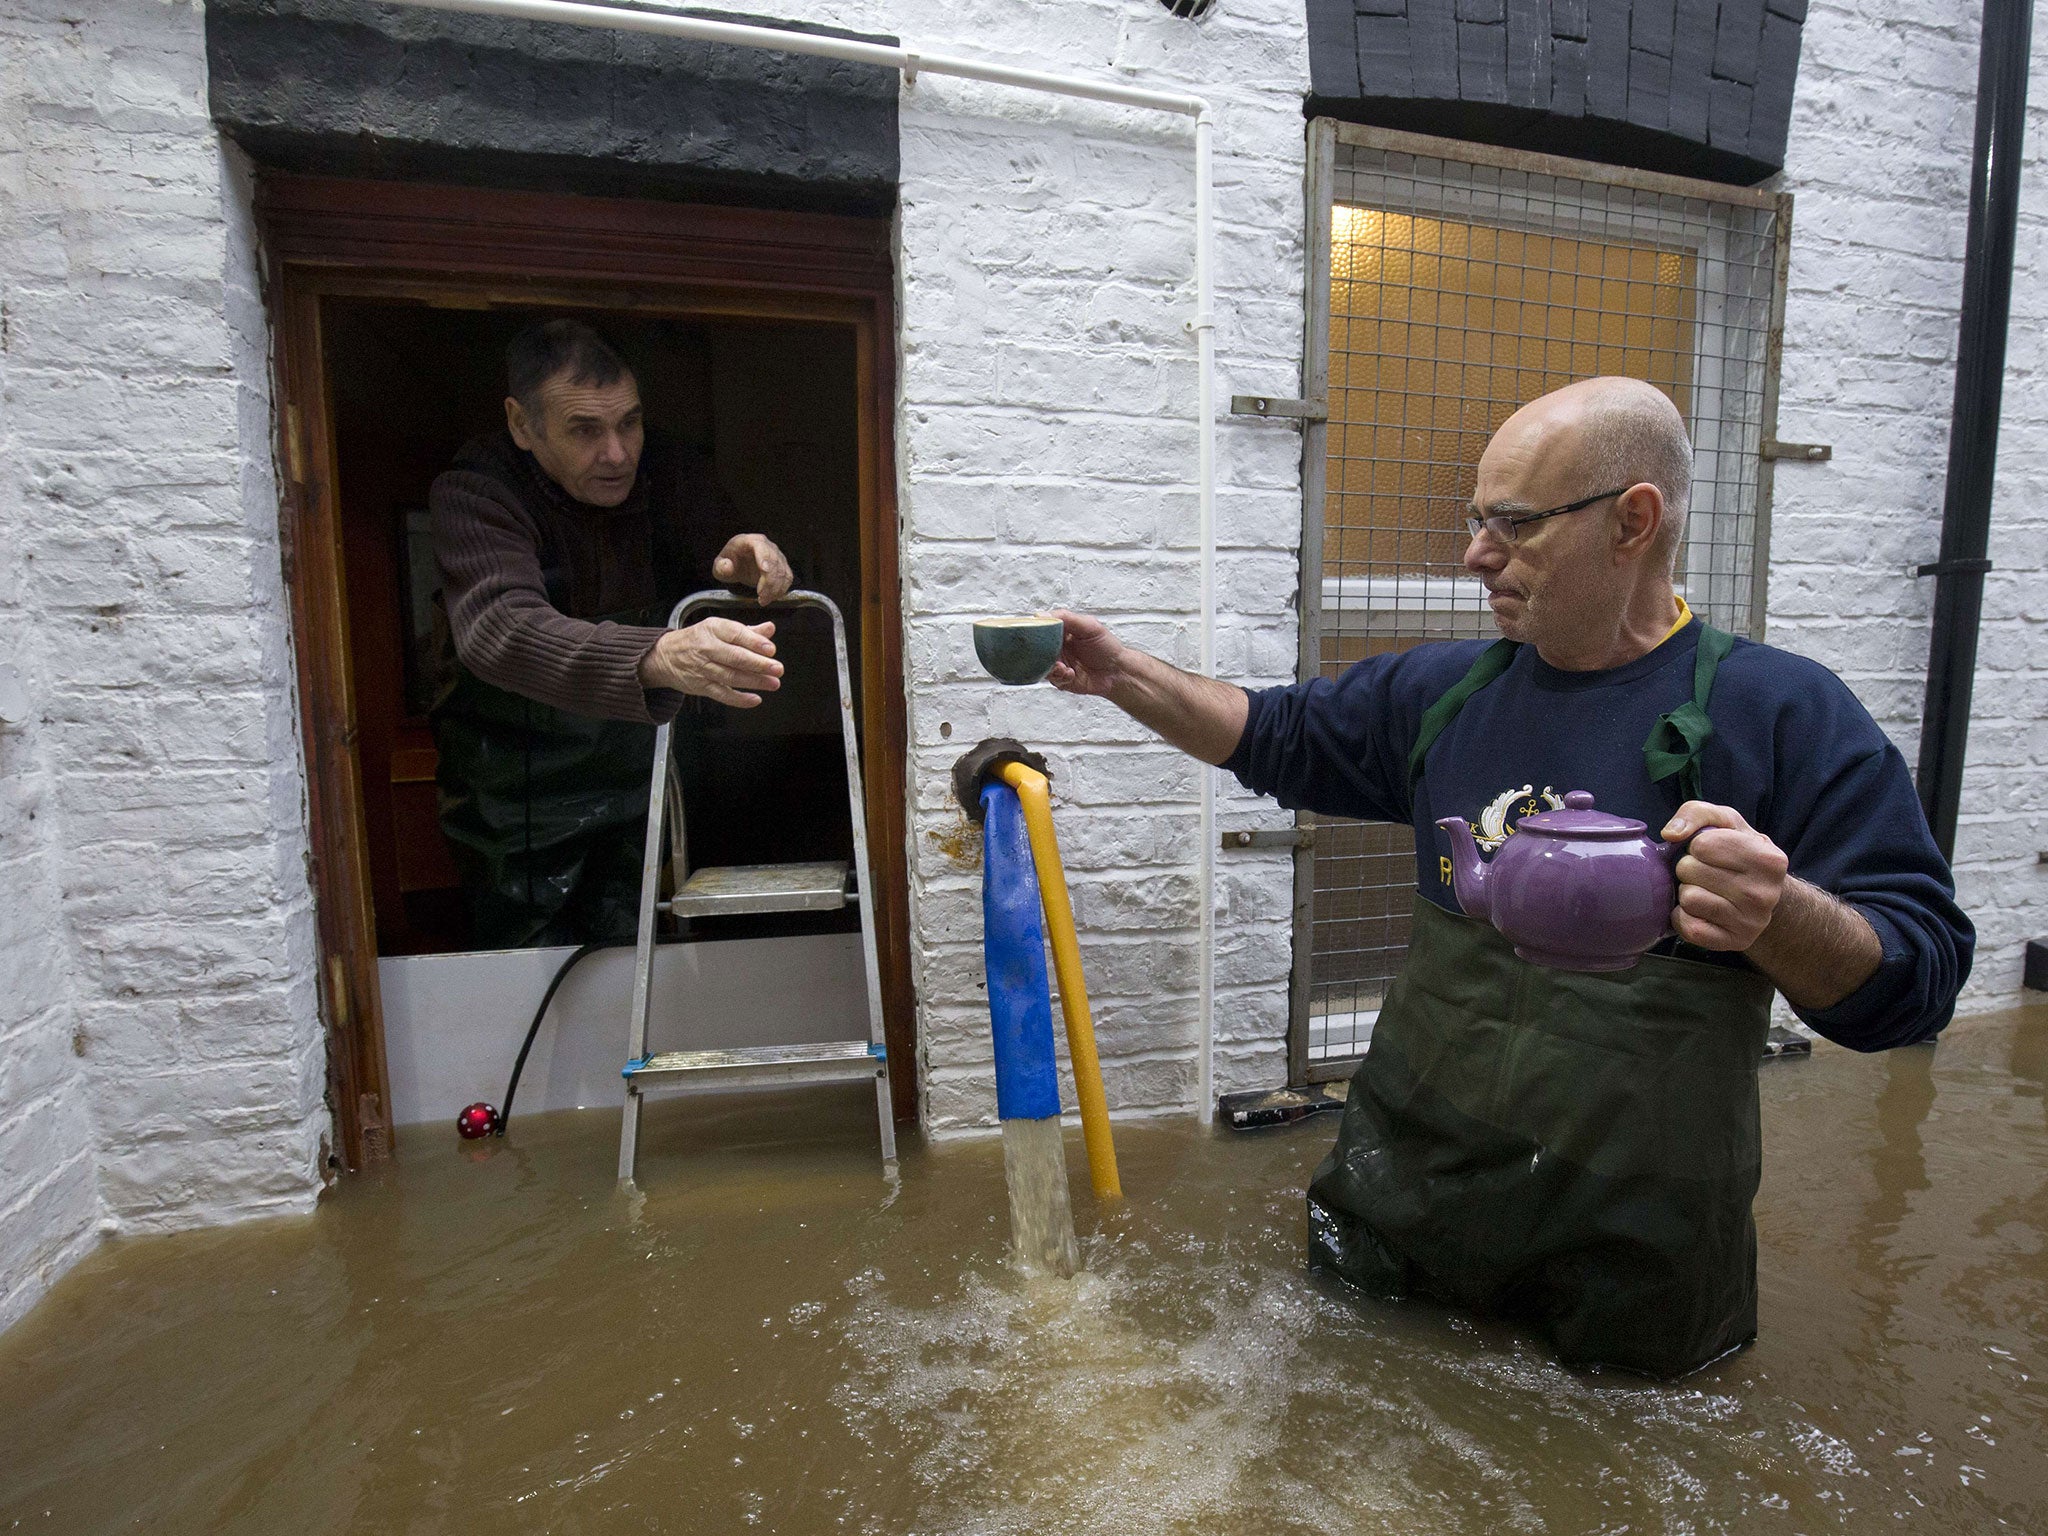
pixel 983 764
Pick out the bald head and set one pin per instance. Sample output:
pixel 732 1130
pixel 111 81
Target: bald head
pixel 1592 590
pixel 1613 432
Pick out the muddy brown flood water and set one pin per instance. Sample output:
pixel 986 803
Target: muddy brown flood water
pixel 772 1338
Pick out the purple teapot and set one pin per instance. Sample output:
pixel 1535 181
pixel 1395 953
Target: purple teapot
pixel 1575 889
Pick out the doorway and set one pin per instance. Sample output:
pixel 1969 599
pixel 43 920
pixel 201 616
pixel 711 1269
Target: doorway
pixel 763 339
pixel 770 406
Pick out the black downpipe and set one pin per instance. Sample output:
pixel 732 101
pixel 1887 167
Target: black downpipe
pixel 1973 431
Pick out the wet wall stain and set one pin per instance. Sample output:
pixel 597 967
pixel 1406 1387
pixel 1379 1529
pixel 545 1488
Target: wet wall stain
pixel 958 842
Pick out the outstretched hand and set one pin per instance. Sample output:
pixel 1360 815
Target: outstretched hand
pixel 1090 656
pixel 719 659
pixel 1729 881
pixel 752 560
pixel 1201 716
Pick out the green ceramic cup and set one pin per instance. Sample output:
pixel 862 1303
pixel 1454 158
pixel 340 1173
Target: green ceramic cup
pixel 1018 651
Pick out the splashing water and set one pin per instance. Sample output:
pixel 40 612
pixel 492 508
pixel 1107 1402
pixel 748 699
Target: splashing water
pixel 772 1338
pixel 1041 1215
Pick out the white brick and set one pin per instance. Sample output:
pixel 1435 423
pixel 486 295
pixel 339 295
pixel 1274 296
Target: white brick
pixel 155 929
pixel 1878 159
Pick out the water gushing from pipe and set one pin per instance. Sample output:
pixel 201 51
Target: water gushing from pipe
pixel 1041 1214
pixel 1020 1016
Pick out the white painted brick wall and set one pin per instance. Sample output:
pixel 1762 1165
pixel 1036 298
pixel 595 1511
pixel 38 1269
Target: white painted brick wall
pixel 49 1196
pixel 1879 160
pixel 1048 451
pixel 1046 446
pixel 158 951
pixel 49 1200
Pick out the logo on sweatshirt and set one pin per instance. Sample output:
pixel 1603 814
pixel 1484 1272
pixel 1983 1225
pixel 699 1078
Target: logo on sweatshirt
pixel 1496 823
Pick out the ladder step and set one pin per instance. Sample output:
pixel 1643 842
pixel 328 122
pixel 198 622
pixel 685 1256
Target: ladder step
pixel 834 1061
pixel 728 889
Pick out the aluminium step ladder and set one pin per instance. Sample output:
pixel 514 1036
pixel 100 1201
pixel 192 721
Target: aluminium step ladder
pixel 752 888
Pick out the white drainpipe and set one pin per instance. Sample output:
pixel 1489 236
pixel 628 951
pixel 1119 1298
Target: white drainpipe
pixel 911 62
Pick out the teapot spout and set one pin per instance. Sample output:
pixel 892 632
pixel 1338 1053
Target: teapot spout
pixel 1468 870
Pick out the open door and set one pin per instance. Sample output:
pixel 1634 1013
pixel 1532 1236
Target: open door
pixel 766 338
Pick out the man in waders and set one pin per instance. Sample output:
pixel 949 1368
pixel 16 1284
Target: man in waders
pixel 564 541
pixel 1579 1150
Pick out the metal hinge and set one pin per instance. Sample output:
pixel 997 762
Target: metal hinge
pixel 1273 405
pixel 1272 837
pixel 1811 453
pixel 1953 568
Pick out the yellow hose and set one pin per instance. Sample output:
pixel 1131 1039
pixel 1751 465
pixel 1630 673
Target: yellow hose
pixel 1036 798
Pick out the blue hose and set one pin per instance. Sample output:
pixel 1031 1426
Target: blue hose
pixel 1013 945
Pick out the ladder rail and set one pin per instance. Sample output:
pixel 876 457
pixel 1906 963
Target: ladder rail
pixel 864 872
pixel 665 794
pixel 643 947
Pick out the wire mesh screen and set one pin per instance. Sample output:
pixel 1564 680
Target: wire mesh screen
pixel 1457 293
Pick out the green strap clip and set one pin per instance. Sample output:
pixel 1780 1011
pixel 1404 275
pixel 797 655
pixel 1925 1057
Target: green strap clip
pixel 1677 739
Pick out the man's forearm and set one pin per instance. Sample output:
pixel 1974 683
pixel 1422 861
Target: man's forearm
pixel 1818 949
pixel 1201 716
pixel 524 646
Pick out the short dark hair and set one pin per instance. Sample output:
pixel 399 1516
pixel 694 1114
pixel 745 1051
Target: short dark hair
pixel 548 348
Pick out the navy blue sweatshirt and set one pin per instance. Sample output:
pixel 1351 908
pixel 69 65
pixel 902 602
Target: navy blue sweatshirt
pixel 1793 751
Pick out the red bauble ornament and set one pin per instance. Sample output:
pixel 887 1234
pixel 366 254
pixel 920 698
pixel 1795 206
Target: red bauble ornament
pixel 479 1119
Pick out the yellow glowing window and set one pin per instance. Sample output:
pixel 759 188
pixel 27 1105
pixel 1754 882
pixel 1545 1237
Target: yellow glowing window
pixel 1440 328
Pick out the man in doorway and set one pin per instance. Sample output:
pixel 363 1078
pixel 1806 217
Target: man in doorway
pixel 564 541
pixel 1580 1150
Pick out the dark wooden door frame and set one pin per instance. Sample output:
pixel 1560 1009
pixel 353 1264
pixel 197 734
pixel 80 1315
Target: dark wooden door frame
pixel 329 238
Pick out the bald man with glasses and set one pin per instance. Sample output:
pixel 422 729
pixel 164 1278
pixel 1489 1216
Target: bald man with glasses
pixel 1580 1151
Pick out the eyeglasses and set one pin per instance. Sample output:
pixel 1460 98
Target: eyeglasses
pixel 1503 527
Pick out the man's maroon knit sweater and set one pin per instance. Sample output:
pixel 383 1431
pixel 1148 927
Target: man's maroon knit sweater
pixel 528 573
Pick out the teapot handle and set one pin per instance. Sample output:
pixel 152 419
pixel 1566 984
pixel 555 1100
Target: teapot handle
pixel 1671 853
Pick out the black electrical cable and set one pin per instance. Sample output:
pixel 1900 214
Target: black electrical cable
pixel 533 1029
pixel 568 965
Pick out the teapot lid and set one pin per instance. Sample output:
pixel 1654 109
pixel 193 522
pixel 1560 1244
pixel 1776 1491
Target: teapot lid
pixel 1579 819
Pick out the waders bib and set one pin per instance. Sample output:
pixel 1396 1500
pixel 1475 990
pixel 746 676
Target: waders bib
pixel 545 812
pixel 1576 1150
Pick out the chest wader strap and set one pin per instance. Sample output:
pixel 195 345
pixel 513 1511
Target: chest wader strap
pixel 1493 661
pixel 1677 739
